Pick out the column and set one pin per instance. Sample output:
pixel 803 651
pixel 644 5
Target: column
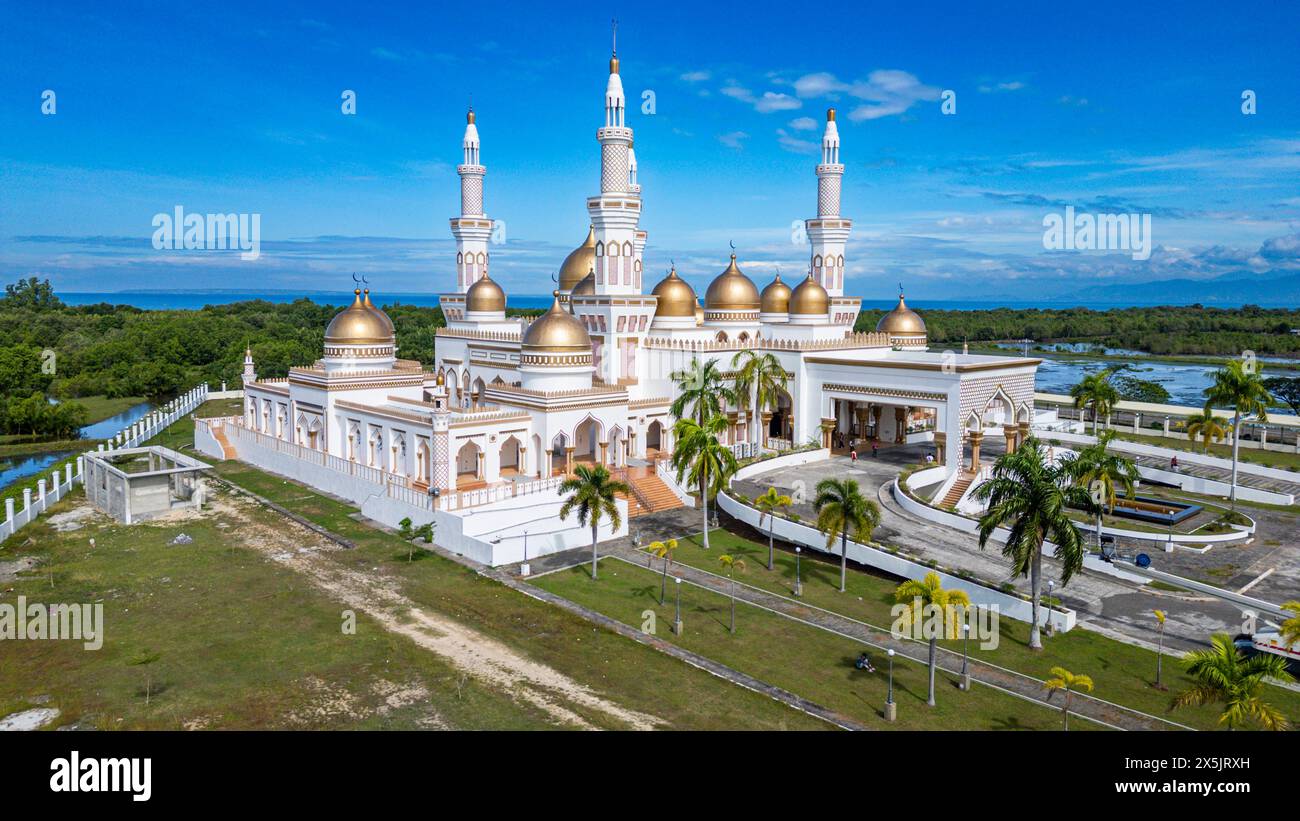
pixel 1022 433
pixel 900 424
pixel 975 438
pixel 1011 432
pixel 604 449
pixel 765 418
pixel 828 425
pixel 940 442
pixel 480 467
pixel 568 460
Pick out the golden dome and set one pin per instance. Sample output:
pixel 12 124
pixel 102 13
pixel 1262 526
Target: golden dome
pixel 776 297
pixel 579 263
pixel 732 291
pixel 360 325
pixel 370 306
pixel 810 299
pixel 485 296
pixel 557 331
pixel 901 320
pixel 586 286
pixel 676 296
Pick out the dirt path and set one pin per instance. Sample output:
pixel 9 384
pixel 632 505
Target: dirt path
pixel 377 596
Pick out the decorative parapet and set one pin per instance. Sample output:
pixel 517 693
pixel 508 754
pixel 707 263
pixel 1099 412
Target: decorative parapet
pixel 869 339
pixel 496 336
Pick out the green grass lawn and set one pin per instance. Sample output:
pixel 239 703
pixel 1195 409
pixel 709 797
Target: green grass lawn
pixel 805 660
pixel 1122 672
pixel 1267 458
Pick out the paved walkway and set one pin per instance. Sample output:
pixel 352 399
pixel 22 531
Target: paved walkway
pixel 1027 687
pixel 1224 475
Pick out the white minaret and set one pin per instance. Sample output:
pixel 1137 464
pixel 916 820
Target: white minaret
pixel 617 211
pixel 250 373
pixel 472 229
pixel 829 232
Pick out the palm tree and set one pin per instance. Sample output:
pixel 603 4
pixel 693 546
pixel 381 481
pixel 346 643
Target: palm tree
pixel 1099 470
pixel 930 591
pixel 732 563
pixel 767 505
pixel 1095 391
pixel 1238 387
pixel 841 508
pixel 761 378
pixel 1069 683
pixel 1290 632
pixel 1224 676
pixel 1034 496
pixel 701 391
pixel 1205 426
pixel 594 493
pixel 663 550
pixel 703 459
pixel 1160 648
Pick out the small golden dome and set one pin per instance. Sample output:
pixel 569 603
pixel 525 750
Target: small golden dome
pixel 557 331
pixel 810 299
pixel 586 286
pixel 830 115
pixel 469 118
pixel 383 317
pixel 485 296
pixel 902 320
pixel 732 291
pixel 776 297
pixel 676 296
pixel 359 325
pixel 579 263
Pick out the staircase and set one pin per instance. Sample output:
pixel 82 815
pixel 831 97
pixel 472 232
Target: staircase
pixel 227 450
pixel 957 490
pixel 652 490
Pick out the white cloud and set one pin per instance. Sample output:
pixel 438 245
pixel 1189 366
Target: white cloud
pixel 990 88
pixel 804 124
pixel 766 104
pixel 884 93
pixel 1077 102
pixel 733 139
pixel 793 144
pixel 696 76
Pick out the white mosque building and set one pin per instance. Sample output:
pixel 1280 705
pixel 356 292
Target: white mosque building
pixel 512 403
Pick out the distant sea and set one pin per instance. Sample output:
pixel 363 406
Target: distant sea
pixel 192 300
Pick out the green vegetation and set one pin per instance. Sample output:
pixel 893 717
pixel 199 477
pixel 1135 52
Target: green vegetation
pixel 1224 676
pixel 1238 387
pixel 1163 330
pixel 805 660
pixel 1121 672
pixel 592 493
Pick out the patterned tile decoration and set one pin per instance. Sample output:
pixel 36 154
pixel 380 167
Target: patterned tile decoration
pixel 977 391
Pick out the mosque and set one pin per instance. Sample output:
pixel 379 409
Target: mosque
pixel 513 402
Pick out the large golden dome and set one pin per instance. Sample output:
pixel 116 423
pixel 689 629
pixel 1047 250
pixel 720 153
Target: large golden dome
pixel 586 286
pixel 901 320
pixel 676 296
pixel 579 263
pixel 732 291
pixel 383 317
pixel 359 325
pixel 810 299
pixel 485 296
pixel 776 297
pixel 557 331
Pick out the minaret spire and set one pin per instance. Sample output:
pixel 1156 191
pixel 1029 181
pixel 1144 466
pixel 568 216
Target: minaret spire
pixel 472 228
pixel 829 232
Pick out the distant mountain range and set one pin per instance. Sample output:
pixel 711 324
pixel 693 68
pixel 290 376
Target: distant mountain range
pixel 1267 290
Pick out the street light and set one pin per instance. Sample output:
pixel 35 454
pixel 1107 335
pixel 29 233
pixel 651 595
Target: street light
pixel 798 585
pixel 891 709
pixel 677 621
pixel 965 654
pixel 1051 585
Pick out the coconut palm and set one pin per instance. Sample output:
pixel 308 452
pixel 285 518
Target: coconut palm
pixel 663 550
pixel 593 496
pixel 1096 392
pixel 760 378
pixel 767 505
pixel 1034 497
pixel 1290 632
pixel 1099 470
pixel 737 565
pixel 921 594
pixel 1064 681
pixel 1160 648
pixel 1239 386
pixel 1205 426
pixel 703 460
pixel 842 508
pixel 701 391
pixel 1224 676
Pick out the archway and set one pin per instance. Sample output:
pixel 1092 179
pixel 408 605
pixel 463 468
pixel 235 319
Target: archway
pixel 479 386
pixel 782 424
pixel 468 460
pixel 509 457
pixel 654 435
pixel 423 465
pixel 559 454
pixel 586 438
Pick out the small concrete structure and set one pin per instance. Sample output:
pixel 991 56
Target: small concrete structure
pixel 135 484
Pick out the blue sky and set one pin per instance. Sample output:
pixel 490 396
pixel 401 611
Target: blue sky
pixel 1118 108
